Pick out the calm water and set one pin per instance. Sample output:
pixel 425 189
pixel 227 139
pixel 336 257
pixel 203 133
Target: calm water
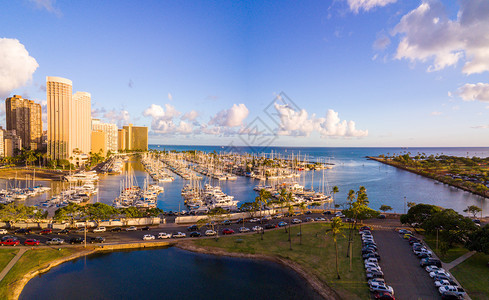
pixel 167 274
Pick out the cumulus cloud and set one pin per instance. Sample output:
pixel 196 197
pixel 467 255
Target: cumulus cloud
pixel 300 123
pixel 232 117
pixel 382 42
pixel 429 34
pixel 120 117
pixel 162 120
pixel 190 116
pixel 16 66
pixel 366 5
pixel 471 92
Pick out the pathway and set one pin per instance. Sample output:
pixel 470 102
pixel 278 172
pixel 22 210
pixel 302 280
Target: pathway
pixel 454 263
pixel 12 263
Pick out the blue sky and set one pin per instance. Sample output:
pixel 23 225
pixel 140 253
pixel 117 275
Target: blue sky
pixel 358 73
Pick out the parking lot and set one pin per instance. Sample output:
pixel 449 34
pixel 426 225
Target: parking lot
pixel 401 268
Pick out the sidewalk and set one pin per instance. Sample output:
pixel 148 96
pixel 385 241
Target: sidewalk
pixel 458 261
pixel 12 263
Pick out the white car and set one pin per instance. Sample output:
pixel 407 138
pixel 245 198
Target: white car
pixel 371 260
pixel 254 220
pixel 132 228
pixel 179 235
pixel 55 241
pixel 452 290
pixel 210 232
pixel 100 229
pixel 443 282
pixel 430 269
pixel 371 270
pixel 443 273
pixel 257 228
pixel 376 281
pixel 164 235
pixel 319 219
pixel 296 221
pixel 147 237
pixel 244 229
pixel 382 288
pixel 3 231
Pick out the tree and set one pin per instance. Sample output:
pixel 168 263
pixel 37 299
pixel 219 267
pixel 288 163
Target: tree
pixel 479 240
pixel 419 213
pixel 473 209
pixel 385 208
pixel 411 204
pixel 262 200
pixel 336 224
pixel 302 207
pixel 334 191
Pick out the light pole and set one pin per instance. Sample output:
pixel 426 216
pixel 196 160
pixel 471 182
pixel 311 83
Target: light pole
pixel 404 204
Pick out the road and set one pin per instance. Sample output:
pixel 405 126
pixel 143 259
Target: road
pixel 401 268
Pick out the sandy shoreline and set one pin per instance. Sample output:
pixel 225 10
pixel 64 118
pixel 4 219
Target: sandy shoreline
pixel 321 288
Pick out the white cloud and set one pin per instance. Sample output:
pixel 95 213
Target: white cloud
pixel 16 66
pixel 162 120
pixel 382 42
pixel 300 123
pixel 471 92
pixel 428 33
pixel 157 112
pixel 191 115
pixel 480 127
pixel 366 5
pixel 47 5
pixel 232 117
pixel 121 117
pixel 436 113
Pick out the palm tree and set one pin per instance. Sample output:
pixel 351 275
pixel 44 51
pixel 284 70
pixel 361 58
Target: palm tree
pixel 335 230
pixel 350 198
pixel 334 191
pixel 302 207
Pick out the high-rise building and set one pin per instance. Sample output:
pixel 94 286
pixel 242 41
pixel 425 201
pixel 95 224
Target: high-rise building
pixel 136 137
pixel 59 102
pixel 81 118
pixel 24 116
pixel 10 142
pixel 99 145
pixel 2 147
pixel 110 131
pixel 121 139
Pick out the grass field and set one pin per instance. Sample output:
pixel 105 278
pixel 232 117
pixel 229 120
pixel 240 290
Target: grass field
pixel 473 275
pixel 317 254
pixel 31 260
pixel 451 254
pixel 5 256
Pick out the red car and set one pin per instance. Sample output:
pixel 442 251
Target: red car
pixel 46 231
pixel 227 231
pixel 10 242
pixel 31 242
pixel 383 295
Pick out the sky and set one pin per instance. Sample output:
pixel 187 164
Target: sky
pixel 342 73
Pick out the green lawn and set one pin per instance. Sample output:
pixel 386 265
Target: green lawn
pixel 31 260
pixel 317 254
pixel 5 256
pixel 451 254
pixel 473 275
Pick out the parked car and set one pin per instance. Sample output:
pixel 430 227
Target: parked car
pixel 327 213
pixel 430 262
pixel 452 289
pixel 64 231
pixel 254 220
pixel 257 228
pixel 164 235
pixel 227 231
pixel 371 254
pixel 81 229
pixel 244 229
pixel 309 219
pixel 240 220
pixel 145 228
pixel 23 231
pixel 226 222
pixel 46 231
pixel 178 235
pixel 407 236
pixel 430 269
pixel 193 228
pixel 7 237
pixel 381 216
pixel 116 229
pixel 371 260
pixel 443 282
pixel 383 295
pixel 320 219
pixel 296 221
pixel 132 228
pixel 438 273
pixel 404 231
pixel 100 229
pixel 270 226
pixel 211 232
pixel 195 234
pixel 282 224
pixel 148 237
pixel 31 242
pixel 376 280
pixel 377 274
pixel 77 240
pixel 55 241
pixel 97 239
pixel 441 277
pixel 3 231
pixel 382 288
pixel 10 242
